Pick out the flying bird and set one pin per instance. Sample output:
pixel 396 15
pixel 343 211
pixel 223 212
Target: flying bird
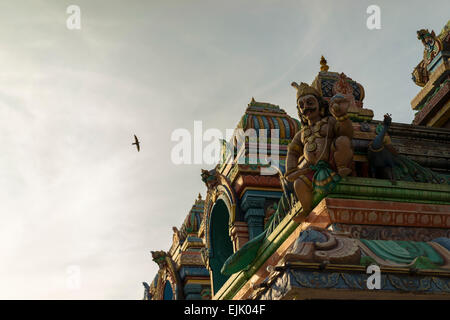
pixel 136 142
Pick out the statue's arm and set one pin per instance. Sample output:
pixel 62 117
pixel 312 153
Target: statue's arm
pixel 343 127
pixel 295 151
pixel 339 110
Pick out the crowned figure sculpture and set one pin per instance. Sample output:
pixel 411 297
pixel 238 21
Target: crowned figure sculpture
pixel 320 153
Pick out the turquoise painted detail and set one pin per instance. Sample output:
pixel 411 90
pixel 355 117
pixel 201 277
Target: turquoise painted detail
pixel 255 221
pixel 256 124
pixel 287 127
pixel 403 252
pixel 168 293
pixel 266 123
pixel 275 124
pixel 311 235
pixel 324 179
pixel 407 170
pixel 263 193
pixel 244 121
pixel 193 239
pixel 193 271
pixel 254 214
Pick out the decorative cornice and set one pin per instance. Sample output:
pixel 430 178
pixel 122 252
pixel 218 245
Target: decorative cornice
pixel 243 181
pixel 253 202
pixel 418 132
pixel 434 103
pixel 279 240
pixel 379 232
pixel 427 89
pixel 403 191
pixel 352 284
pixel 387 213
pixel 191 259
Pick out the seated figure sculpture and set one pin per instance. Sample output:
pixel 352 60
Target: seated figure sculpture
pixel 322 147
pixel 317 152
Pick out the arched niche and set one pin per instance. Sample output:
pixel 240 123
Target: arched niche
pixel 221 246
pixel 168 291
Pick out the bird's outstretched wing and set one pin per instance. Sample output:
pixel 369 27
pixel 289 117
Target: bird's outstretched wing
pixel 137 143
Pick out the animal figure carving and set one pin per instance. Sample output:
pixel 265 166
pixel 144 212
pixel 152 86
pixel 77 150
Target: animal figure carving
pixel 381 153
pixel 209 177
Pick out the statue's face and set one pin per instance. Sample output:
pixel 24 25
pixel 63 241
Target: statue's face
pixel 308 106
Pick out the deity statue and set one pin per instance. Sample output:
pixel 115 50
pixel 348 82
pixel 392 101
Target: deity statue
pixel 432 46
pixel 321 152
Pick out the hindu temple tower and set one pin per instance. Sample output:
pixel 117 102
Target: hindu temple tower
pixel 251 239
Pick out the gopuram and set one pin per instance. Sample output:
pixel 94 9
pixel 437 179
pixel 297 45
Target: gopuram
pixel 358 209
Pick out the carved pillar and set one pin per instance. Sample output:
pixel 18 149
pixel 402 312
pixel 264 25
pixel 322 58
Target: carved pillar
pixel 239 234
pixel 254 214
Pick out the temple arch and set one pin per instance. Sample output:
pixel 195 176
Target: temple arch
pixel 168 291
pixel 221 246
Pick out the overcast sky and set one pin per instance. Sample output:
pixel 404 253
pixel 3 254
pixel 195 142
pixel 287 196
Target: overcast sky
pixel 75 195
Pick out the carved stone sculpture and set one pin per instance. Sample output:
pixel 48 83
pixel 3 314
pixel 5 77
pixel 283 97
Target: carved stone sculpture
pixel 322 148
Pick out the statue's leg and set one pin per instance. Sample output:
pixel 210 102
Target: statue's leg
pixel 392 175
pixel 373 172
pixel 343 155
pixel 304 193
